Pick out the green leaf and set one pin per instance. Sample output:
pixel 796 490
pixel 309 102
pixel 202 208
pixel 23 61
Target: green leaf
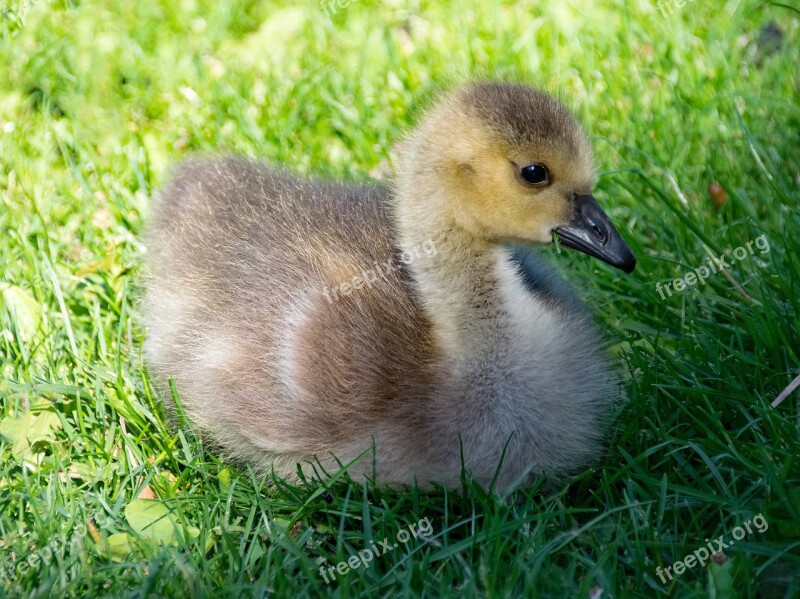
pixel 225 480
pixel 29 429
pixel 153 521
pixel 23 309
pixel 117 547
pixel 720 580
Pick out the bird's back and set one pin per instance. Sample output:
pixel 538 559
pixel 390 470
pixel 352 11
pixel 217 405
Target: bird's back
pixel 281 304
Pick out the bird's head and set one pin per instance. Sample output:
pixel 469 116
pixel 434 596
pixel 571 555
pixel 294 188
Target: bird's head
pixel 513 165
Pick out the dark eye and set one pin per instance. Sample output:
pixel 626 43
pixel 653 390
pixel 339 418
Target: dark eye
pixel 535 174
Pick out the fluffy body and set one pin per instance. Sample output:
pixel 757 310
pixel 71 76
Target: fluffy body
pixel 465 353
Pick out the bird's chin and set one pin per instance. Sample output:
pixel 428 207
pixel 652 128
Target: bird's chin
pixel 545 237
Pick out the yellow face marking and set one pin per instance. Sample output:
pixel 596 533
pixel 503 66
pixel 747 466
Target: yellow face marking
pixel 496 204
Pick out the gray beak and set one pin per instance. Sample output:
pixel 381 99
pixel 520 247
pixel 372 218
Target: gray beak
pixel 591 232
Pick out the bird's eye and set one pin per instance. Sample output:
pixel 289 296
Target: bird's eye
pixel 535 174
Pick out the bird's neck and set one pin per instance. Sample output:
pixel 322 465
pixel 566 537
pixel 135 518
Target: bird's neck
pixel 458 284
pixel 471 294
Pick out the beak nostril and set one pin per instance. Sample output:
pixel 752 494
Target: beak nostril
pixel 593 233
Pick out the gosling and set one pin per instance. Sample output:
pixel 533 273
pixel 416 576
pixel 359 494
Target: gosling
pixel 408 332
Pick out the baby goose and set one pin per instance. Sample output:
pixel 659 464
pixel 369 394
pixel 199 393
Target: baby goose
pixel 309 322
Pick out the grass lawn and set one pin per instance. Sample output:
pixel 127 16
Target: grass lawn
pixel 98 98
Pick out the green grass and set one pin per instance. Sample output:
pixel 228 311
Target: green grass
pixel 98 99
